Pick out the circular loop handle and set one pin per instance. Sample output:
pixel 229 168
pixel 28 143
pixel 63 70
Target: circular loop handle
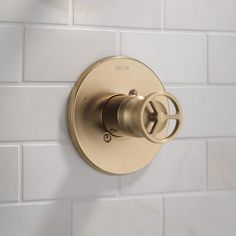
pixel 160 116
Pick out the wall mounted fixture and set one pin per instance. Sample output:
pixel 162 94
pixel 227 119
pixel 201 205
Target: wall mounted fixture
pixel 118 115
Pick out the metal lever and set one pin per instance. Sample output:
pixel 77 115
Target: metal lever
pixel 138 116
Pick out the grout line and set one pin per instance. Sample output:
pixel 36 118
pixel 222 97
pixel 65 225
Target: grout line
pixel 179 194
pixel 71 12
pixel 67 141
pixel 207 60
pixel 36 142
pixel 204 138
pixel 36 84
pixel 113 28
pixel 199 193
pixel 201 31
pixel 32 202
pixel 22 54
pixel 71 218
pixel 118 43
pixel 23 58
pixel 185 84
pixel 201 86
pixel 122 197
pixel 20 173
pixel 206 177
pixel 71 83
pixel 31 23
pixel 162 15
pixel 162 230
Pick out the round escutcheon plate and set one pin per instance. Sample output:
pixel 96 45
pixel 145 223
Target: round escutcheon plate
pixel 109 76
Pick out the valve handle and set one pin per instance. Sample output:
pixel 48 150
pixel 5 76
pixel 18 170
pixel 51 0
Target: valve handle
pixel 159 117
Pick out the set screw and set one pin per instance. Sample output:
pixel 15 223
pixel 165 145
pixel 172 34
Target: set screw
pixel 133 92
pixel 107 138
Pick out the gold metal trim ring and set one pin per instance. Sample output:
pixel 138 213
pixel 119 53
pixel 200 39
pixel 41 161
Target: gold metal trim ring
pixel 117 147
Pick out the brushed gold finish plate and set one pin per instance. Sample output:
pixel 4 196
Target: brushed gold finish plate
pixel 113 75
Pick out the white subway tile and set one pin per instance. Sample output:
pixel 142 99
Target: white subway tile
pixel 145 14
pixel 200 215
pixel 33 112
pixel 35 220
pixel 175 58
pixel 11 43
pixel 39 11
pixel 222 58
pixel 179 166
pixel 208 112
pixel 64 172
pixel 200 14
pixel 222 164
pixel 8 173
pixel 136 217
pixel 62 55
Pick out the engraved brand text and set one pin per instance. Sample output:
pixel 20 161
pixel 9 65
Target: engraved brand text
pixel 121 67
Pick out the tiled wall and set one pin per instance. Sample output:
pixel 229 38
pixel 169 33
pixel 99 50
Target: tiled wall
pixel 46 189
